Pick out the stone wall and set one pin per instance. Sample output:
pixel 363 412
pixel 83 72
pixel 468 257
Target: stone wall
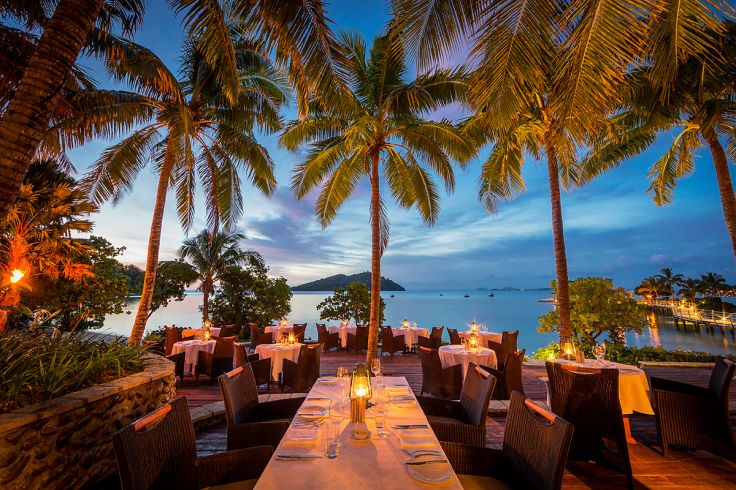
pixel 66 442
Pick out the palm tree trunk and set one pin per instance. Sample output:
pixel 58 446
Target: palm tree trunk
pixel 725 186
pixel 375 316
pixel 205 303
pixel 154 241
pixel 563 293
pixel 27 116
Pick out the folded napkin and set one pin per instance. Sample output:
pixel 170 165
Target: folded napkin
pixel 417 442
pixel 301 437
pixel 398 390
pixel 410 434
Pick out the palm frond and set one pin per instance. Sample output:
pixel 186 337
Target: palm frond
pixel 676 163
pixel 501 177
pixel 339 186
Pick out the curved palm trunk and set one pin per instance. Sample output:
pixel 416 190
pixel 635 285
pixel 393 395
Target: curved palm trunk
pixel 375 317
pixel 563 293
pixel 27 116
pixel 725 187
pixel 206 302
pixel 154 241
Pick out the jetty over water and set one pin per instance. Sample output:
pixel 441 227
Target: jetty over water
pixel 691 316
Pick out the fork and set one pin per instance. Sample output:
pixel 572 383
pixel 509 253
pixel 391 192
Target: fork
pixel 419 452
pixel 430 461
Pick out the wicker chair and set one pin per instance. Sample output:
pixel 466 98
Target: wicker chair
pixel 172 337
pixel 225 331
pixel 215 363
pixel 462 421
pixel 358 341
pixel 178 360
pixel 536 443
pixel 509 378
pixel 301 375
pixel 391 343
pixel 588 399
pixel 261 367
pixel 327 339
pixel 257 338
pixel 454 336
pixel 696 417
pixel 250 422
pixel 445 383
pixel 429 342
pixel 298 330
pixel 437 332
pixel 159 451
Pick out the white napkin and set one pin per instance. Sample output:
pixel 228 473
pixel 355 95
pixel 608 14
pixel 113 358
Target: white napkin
pixel 301 437
pixel 417 442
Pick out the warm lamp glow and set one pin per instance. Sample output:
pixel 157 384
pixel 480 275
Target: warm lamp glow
pixel 344 323
pixel 473 341
pixel 16 275
pixel 405 323
pixel 284 323
pixel 291 338
pixel 474 326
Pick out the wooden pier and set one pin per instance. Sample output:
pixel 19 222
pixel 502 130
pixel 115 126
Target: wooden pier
pixel 692 317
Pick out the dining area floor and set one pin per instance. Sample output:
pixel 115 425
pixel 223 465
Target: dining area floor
pixel 681 469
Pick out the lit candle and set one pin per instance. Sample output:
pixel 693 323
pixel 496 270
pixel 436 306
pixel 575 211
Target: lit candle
pixel 405 323
pixel 16 275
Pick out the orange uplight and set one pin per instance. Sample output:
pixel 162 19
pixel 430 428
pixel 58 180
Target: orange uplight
pixel 16 275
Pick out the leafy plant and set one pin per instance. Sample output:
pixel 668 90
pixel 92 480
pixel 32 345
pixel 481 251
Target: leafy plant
pixel 38 367
pixel 353 301
pixel 632 355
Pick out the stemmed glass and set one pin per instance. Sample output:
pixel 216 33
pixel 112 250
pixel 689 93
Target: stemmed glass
pixel 376 370
pixel 337 414
pixel 342 374
pixel 380 412
pixel 599 351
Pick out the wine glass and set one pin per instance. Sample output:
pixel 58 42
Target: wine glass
pixel 337 414
pixel 599 351
pixel 342 374
pixel 376 370
pixel 380 412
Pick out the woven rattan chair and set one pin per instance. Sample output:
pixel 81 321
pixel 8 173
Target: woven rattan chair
pixel 358 341
pixel 509 378
pixel 159 451
pixel 454 336
pixel 178 360
pixel 261 367
pixel 225 331
pixel 445 383
pixel 250 422
pixel 588 399
pixel 217 362
pixel 429 342
pixel 298 330
pixel 391 343
pixel 694 416
pixel 536 443
pixel 327 339
pixel 172 337
pixel 257 337
pixel 301 375
pixel 437 332
pixel 462 421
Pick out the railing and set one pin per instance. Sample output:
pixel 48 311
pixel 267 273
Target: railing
pixel 693 314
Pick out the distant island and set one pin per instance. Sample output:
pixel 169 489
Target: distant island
pixel 341 281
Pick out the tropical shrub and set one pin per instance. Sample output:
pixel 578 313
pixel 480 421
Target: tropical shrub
pixel 172 279
pixel 598 308
pixel 632 355
pixel 353 301
pixel 38 367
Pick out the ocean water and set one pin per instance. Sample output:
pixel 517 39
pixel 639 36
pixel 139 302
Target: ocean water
pixel 506 310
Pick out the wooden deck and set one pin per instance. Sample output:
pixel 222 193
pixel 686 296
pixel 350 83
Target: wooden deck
pixel 682 469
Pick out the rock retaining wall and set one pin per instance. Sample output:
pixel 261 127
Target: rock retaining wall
pixel 66 443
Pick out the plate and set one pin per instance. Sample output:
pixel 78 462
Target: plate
pixel 312 412
pixel 328 380
pixel 430 473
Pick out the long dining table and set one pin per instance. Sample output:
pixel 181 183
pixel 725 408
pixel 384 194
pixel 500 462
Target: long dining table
pixel 376 463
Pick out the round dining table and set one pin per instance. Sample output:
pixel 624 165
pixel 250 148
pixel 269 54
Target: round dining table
pixel 342 332
pixel 277 331
pixel 277 353
pixel 191 349
pixel 198 332
pixel 411 334
pixel 483 337
pixel 452 355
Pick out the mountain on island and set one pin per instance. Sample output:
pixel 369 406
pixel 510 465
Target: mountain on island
pixel 341 281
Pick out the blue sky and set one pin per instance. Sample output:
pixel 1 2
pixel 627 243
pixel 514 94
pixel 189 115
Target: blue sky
pixel 612 227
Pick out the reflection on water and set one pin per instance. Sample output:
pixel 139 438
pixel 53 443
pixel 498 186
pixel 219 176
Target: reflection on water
pixel 507 310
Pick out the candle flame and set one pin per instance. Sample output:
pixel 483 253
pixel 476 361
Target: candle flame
pixel 16 275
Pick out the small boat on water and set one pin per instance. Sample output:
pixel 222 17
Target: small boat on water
pixel 467 296
pixel 547 300
pixel 490 295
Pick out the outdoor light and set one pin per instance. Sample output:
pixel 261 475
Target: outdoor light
pixel 344 323
pixel 473 341
pixel 405 323
pixel 284 323
pixel 16 275
pixel 474 326
pixel 360 393
pixel 292 339
pixel 207 331
pixel 568 349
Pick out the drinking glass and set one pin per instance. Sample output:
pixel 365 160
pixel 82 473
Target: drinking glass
pixel 376 370
pixel 380 412
pixel 337 414
pixel 599 351
pixel 342 374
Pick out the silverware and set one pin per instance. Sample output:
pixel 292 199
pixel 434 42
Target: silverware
pixel 295 457
pixel 411 426
pixel 318 398
pixel 419 452
pixel 429 461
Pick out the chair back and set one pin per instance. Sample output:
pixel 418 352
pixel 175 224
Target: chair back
pixel 437 332
pixel 512 372
pixel 298 329
pixel 159 450
pixel 172 337
pixel 454 336
pixel 508 342
pixel 361 338
pixel 240 355
pixel 224 347
pixel 535 445
pixel 387 336
pixel 432 381
pixel 227 331
pixel 720 378
pixel 476 394
pixel 498 349
pixel 240 394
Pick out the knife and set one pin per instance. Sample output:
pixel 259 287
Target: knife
pixel 417 463
pixel 411 426
pixel 296 457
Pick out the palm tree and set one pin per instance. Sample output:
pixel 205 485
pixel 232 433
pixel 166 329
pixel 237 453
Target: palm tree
pixel 670 279
pixel 212 255
pixel 651 287
pixel 378 126
pixel 689 288
pixel 188 131
pixel 297 32
pixel 711 284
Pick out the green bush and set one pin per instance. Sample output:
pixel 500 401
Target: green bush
pixel 37 367
pixel 632 355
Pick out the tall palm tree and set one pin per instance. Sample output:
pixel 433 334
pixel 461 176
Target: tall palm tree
pixel 188 131
pixel 651 286
pixel 711 284
pixel 297 32
pixel 211 255
pixel 378 127
pixel 670 279
pixel 689 288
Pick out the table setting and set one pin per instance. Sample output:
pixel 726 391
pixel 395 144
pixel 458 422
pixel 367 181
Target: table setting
pixel 343 330
pixel 411 332
pixel 278 331
pixel 277 353
pixel 191 350
pixel 452 355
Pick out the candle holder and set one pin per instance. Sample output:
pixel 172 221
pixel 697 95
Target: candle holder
pixel 360 393
pixel 473 326
pixel 292 339
pixel 473 342
pixel 568 349
pixel 344 323
pixel 405 323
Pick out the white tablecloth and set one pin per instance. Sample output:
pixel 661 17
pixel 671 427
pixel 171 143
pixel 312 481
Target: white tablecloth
pixel 193 332
pixel 483 337
pixel 343 332
pixel 452 355
pixel 633 387
pixel 411 334
pixel 191 350
pixel 276 331
pixel 277 353
pixel 377 463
